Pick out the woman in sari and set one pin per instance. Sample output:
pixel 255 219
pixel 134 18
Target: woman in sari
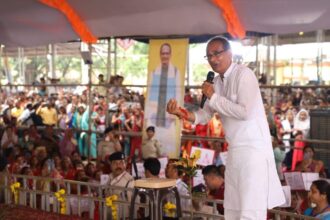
pixel 319 196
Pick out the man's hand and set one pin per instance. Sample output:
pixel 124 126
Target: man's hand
pixel 208 89
pixel 172 107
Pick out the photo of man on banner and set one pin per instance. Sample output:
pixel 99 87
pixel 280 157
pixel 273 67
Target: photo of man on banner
pixel 167 60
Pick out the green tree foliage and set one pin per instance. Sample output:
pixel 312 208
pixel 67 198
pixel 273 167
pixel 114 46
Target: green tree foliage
pixel 64 65
pixel 199 71
pixel 133 63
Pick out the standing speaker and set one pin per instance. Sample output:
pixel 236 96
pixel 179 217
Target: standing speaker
pixel 320 129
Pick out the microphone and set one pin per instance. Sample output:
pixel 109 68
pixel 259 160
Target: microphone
pixel 209 78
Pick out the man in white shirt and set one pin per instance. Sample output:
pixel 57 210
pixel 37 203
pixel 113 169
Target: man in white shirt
pixel 23 118
pixel 120 177
pixel 173 172
pixel 252 184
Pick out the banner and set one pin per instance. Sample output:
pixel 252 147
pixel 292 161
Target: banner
pixel 207 156
pixel 166 74
pixel 300 181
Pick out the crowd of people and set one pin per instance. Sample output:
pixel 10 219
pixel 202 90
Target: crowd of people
pixel 45 133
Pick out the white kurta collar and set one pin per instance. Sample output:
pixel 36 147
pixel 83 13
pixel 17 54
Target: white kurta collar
pixel 229 70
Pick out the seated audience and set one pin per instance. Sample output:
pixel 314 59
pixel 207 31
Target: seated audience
pixel 319 196
pixel 215 184
pixel 151 168
pixel 309 164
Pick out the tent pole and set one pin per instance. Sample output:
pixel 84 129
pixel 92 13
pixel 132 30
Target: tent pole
pixel 319 40
pixel 188 67
pixel 275 38
pixel 257 57
pixel 107 80
pixel 90 104
pixel 52 46
pixel 115 58
pixel 108 61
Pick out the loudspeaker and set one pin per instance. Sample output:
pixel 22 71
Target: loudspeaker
pixel 320 129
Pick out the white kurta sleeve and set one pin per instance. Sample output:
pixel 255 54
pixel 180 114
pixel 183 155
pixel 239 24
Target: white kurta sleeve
pixel 203 116
pixel 247 96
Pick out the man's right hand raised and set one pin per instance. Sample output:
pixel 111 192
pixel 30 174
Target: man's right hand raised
pixel 173 108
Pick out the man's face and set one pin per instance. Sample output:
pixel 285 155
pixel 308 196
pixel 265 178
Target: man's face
pixel 150 134
pixel 211 181
pixel 109 136
pixel 170 171
pixel 218 58
pixel 118 167
pixel 165 55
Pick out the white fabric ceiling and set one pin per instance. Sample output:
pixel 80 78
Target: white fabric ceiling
pixel 30 23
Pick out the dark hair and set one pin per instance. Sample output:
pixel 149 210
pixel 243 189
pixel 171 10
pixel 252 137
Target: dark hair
pixel 24 170
pixel 165 44
pixel 224 41
pixel 152 165
pixel 211 170
pixel 179 168
pixel 312 148
pixel 323 187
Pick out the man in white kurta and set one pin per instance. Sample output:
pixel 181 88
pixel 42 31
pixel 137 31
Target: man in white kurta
pixel 251 182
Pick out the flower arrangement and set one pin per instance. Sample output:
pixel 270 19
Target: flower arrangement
pixel 188 165
pixel 61 198
pixel 109 202
pixel 14 189
pixel 169 209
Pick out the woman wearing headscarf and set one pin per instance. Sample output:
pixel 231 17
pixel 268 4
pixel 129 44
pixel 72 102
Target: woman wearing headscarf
pixel 302 123
pixel 301 131
pixel 286 130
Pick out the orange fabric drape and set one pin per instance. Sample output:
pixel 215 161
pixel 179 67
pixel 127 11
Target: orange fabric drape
pixel 234 25
pixel 77 23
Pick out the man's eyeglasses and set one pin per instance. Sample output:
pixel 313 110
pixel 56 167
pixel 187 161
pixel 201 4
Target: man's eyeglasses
pixel 217 54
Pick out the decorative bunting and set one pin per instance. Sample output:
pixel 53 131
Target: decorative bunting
pixel 234 25
pixel 77 23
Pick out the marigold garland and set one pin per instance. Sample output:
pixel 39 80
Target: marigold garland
pixel 14 189
pixel 60 196
pixel 109 201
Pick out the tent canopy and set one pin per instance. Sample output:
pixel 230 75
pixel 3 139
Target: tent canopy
pixel 30 23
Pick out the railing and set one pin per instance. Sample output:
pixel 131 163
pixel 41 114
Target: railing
pixel 81 197
pixel 87 198
pixel 183 137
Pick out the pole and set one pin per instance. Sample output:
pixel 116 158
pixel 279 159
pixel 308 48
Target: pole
pixel 90 100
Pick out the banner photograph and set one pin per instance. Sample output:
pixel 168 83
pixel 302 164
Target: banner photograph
pixel 166 74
